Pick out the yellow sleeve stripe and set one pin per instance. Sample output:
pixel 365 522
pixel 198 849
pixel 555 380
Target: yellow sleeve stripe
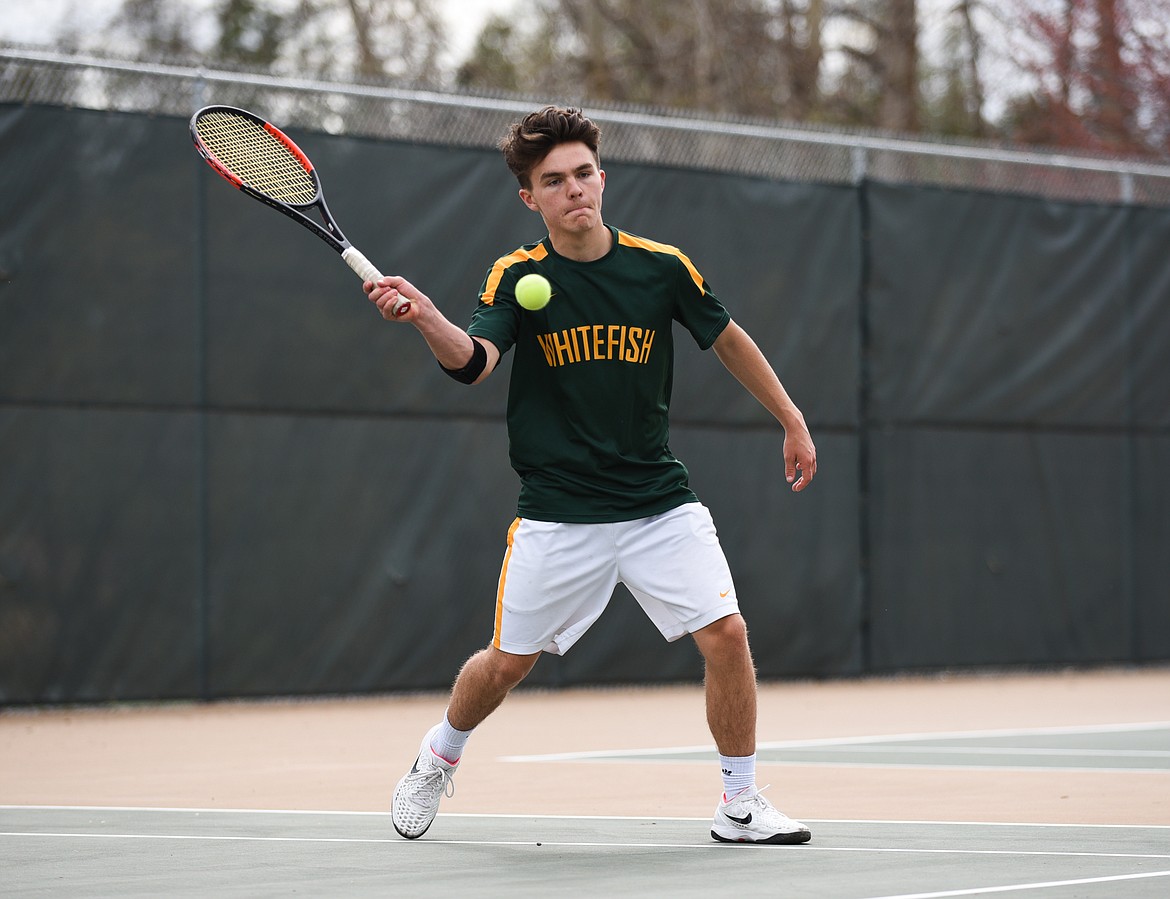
pixel 506 262
pixel 629 240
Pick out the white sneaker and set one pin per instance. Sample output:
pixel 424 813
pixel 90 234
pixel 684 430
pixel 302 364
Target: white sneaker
pixel 750 818
pixel 416 798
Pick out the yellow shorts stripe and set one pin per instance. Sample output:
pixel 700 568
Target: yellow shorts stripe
pixel 500 588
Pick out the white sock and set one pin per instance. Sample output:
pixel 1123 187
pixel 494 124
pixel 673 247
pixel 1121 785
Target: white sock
pixel 739 773
pixel 448 743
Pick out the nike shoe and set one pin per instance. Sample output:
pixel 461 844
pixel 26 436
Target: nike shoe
pixel 416 798
pixel 750 818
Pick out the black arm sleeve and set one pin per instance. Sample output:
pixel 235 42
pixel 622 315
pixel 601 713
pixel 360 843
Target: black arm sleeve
pixel 473 369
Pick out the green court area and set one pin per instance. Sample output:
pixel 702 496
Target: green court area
pixel 118 852
pixel 1129 747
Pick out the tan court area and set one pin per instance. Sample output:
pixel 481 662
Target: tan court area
pixel 346 754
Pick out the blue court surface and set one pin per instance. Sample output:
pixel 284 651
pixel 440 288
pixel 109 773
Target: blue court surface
pixel 107 852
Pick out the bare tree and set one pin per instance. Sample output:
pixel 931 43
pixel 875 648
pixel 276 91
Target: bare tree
pixel 952 80
pixel 371 39
pixel 153 29
pixel 885 60
pixel 756 57
pixel 973 44
pixel 802 56
pixel 1100 70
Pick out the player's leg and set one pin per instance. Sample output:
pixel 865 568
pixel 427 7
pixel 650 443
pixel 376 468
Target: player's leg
pixel 730 685
pixel 676 569
pixel 743 815
pixel 555 581
pixel 483 683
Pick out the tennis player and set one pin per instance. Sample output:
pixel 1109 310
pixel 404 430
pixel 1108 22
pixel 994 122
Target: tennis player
pixel 602 499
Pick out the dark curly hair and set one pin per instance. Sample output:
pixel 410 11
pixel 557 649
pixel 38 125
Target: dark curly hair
pixel 530 140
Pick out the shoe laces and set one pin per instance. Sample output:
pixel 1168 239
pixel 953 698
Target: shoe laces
pixel 766 808
pixel 431 779
pixel 758 801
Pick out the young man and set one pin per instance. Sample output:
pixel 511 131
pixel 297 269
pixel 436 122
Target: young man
pixel 600 491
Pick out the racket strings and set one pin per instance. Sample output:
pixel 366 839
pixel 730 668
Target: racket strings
pixel 256 157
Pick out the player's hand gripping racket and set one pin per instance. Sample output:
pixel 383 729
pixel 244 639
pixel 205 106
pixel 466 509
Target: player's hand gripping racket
pixel 262 161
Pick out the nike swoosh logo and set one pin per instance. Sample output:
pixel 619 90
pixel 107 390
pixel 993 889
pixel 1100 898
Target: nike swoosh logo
pixel 723 595
pixel 745 821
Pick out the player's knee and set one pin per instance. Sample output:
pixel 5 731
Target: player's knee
pixel 723 638
pixel 730 628
pixel 509 669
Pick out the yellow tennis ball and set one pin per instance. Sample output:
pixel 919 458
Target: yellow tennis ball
pixel 533 292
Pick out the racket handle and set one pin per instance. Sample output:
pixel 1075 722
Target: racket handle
pixel 367 271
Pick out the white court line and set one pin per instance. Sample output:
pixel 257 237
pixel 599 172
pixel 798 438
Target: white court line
pixel 596 754
pixel 594 844
pixel 1010 750
pixel 372 814
pixel 868 765
pixel 882 821
pixel 1018 887
pixel 1070 730
pixel 1066 824
pixel 219 838
pixel 190 809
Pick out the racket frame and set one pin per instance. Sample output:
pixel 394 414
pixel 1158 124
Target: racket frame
pixel 327 229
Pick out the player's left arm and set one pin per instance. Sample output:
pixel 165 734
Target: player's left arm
pixel 740 355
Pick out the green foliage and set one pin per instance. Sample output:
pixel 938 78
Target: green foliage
pixel 250 33
pixel 495 60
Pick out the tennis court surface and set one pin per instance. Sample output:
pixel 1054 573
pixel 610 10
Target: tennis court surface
pixel 1054 785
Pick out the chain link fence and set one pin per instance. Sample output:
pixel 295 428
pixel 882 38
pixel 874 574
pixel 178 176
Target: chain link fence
pixel 674 139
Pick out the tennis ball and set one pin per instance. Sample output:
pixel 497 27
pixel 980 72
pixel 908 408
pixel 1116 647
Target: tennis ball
pixel 533 292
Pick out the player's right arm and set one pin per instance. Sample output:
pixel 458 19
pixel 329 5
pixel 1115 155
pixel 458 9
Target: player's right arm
pixel 453 347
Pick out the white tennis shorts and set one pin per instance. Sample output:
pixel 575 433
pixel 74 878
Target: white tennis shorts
pixel 558 578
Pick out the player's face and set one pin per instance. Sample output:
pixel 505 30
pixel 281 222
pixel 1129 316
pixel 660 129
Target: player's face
pixel 566 189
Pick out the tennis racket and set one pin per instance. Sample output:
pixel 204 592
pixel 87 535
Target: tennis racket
pixel 262 161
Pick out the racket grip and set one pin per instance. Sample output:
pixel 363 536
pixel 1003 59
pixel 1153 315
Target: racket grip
pixel 367 271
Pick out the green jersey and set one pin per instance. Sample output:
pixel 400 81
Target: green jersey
pixel 591 380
